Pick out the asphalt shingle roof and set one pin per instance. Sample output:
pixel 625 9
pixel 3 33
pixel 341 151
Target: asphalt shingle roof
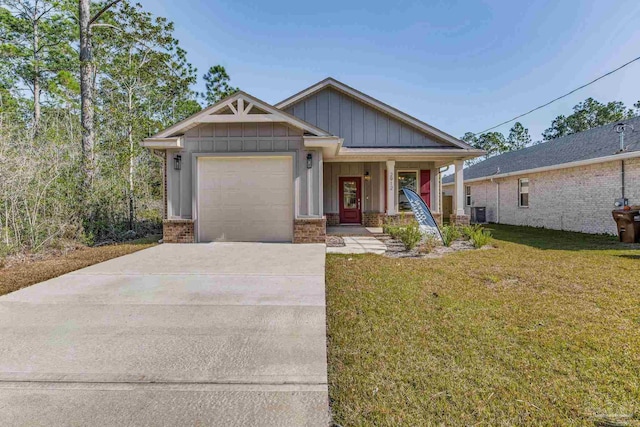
pixel 593 143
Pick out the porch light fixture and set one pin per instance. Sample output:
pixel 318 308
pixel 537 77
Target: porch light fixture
pixel 309 160
pixel 177 162
pixel 367 176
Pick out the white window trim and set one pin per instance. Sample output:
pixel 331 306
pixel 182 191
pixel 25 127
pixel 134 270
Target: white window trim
pixel 467 197
pixel 398 171
pixel 520 205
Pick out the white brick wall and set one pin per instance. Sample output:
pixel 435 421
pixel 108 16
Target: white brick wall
pixel 573 199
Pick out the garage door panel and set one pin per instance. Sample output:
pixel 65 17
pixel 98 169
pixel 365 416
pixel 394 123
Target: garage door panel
pixel 245 199
pixel 259 199
pixel 242 233
pixel 237 215
pixel 246 186
pixel 261 202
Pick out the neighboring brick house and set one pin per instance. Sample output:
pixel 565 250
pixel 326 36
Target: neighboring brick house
pixel 570 183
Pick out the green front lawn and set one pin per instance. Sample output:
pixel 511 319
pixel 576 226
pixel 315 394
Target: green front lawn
pixel 542 330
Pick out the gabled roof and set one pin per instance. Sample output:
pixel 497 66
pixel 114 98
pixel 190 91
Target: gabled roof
pixel 239 107
pixel 601 143
pixel 374 103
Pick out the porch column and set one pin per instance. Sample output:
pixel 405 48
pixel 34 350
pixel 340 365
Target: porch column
pixel 435 190
pixel 320 184
pixel 391 187
pixel 382 179
pixel 458 198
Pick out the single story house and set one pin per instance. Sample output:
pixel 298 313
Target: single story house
pixel 245 170
pixel 570 183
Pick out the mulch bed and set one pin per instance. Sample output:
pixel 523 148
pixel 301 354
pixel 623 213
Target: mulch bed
pixel 396 249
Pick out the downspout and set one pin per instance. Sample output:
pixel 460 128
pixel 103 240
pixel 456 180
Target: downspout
pixel 620 128
pixel 497 200
pixel 162 155
pixel 622 178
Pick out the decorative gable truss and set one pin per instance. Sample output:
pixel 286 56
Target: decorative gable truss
pixel 238 108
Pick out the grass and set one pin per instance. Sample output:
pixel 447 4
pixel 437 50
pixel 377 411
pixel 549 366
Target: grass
pixel 31 272
pixel 542 330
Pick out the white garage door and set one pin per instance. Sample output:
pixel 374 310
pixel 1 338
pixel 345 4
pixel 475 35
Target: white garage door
pixel 245 199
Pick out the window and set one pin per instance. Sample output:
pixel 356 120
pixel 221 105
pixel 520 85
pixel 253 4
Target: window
pixel 467 195
pixel 406 179
pixel 523 192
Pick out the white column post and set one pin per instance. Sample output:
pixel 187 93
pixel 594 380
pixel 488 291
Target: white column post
pixel 458 198
pixel 382 195
pixel 435 190
pixel 320 184
pixel 391 187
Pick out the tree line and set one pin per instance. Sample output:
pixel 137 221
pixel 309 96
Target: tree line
pixel 586 115
pixel 81 84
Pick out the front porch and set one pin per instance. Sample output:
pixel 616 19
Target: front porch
pixel 368 193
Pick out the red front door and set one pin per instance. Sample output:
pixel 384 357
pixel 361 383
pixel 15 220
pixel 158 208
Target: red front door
pixel 350 200
pixel 425 186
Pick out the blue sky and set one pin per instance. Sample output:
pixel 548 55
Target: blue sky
pixel 458 65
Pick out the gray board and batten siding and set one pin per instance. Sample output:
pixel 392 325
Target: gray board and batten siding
pixel 359 124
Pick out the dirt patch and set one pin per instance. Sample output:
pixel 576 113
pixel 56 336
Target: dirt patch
pixel 27 270
pixel 62 248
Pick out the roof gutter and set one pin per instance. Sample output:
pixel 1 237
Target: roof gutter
pixel 333 149
pixel 596 160
pixel 446 153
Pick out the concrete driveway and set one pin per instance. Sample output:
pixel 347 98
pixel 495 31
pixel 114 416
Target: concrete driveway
pixel 213 334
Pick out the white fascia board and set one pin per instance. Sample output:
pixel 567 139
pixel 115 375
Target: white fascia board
pixel 330 145
pixel 249 118
pixel 163 143
pixel 379 105
pixel 587 162
pixel 304 93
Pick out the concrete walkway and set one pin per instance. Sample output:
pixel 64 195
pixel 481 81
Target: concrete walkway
pixel 357 240
pixel 359 245
pixel 214 334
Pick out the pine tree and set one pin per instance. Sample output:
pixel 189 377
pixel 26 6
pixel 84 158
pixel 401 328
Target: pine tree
pixel 217 85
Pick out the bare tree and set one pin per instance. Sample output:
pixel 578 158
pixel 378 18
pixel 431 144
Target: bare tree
pixel 87 76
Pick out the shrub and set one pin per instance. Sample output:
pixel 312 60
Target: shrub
pixel 449 234
pixel 481 237
pixel 391 230
pixel 428 244
pixel 410 235
pixel 469 230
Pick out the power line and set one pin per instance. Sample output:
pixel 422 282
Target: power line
pixel 560 97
